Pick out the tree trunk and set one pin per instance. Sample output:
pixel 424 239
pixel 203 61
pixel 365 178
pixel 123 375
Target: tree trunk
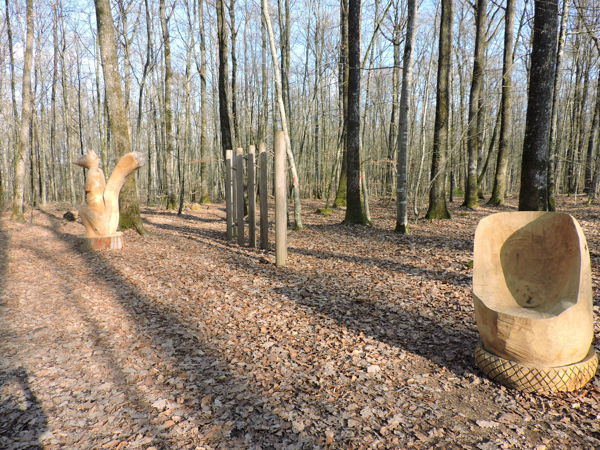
pixel 67 115
pixel 533 195
pixel 340 196
pixel 26 108
pixel 234 112
pixel 590 188
pixel 500 178
pixel 402 164
pixel 226 142
pixel 168 112
pixel 119 128
pixel 284 124
pixel 354 210
pixel 204 192
pixel 553 143
pixel 475 117
pixel 437 191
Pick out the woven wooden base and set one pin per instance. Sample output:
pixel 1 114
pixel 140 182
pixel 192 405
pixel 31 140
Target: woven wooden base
pixel 114 242
pixel 544 380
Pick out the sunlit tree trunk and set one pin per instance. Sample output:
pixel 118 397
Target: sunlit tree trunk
pixel 283 117
pixel 533 195
pixel 437 191
pixel 402 163
pixel 26 108
pixel 226 141
pixel 554 123
pixel 340 195
pixel 354 210
pixel 500 178
pixel 475 125
pixel 128 202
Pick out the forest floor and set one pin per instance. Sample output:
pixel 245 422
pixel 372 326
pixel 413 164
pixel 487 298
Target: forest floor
pixel 185 340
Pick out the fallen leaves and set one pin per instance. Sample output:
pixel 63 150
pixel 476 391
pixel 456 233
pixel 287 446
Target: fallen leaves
pixel 185 340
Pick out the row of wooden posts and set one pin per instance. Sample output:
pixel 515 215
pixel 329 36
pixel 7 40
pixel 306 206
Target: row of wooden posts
pixel 235 165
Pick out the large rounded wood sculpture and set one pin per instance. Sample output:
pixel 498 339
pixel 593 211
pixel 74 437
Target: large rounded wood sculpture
pixel 533 301
pixel 100 214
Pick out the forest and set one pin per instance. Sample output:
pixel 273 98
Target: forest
pixel 422 174
pixel 199 77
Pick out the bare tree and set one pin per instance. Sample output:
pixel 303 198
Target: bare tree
pixel 499 189
pixel 403 121
pixel 118 122
pixel 283 118
pixel 26 108
pixel 475 114
pixel 354 210
pixel 437 191
pixel 533 195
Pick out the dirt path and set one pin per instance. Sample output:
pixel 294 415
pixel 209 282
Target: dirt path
pixel 183 340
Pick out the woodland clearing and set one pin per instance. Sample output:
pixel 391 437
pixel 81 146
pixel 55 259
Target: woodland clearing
pixel 185 340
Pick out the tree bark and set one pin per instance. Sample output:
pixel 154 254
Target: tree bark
pixel 283 117
pixel 533 194
pixel 168 112
pixel 437 191
pixel 500 178
pixel 226 142
pixel 554 124
pixel 340 195
pixel 475 117
pixel 204 192
pixel 118 123
pixel 26 108
pixel 354 209
pixel 402 163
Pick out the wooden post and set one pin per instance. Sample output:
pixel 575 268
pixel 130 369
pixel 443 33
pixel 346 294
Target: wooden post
pixel 263 192
pixel 280 201
pixel 251 197
pixel 229 193
pixel 239 181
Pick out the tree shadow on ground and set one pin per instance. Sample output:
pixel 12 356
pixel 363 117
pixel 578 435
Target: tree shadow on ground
pixel 173 214
pixel 448 344
pixel 445 276
pixel 22 419
pixel 241 419
pixel 429 241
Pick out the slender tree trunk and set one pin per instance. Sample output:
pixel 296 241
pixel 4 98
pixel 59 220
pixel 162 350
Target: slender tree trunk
pixel 226 141
pixel 53 150
pixel 234 69
pixel 340 196
pixel 145 71
pixel 11 55
pixel 475 117
pixel 533 195
pixel 284 124
pixel 119 125
pixel 264 107
pixel 204 192
pixel 437 191
pixel 402 164
pixel 500 178
pixel 67 116
pixel 554 123
pixel 26 109
pixel 168 112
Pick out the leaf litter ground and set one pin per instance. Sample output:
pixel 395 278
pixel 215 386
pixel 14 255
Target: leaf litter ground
pixel 184 340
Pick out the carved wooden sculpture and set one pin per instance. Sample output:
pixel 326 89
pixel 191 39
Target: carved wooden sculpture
pixel 100 215
pixel 532 291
